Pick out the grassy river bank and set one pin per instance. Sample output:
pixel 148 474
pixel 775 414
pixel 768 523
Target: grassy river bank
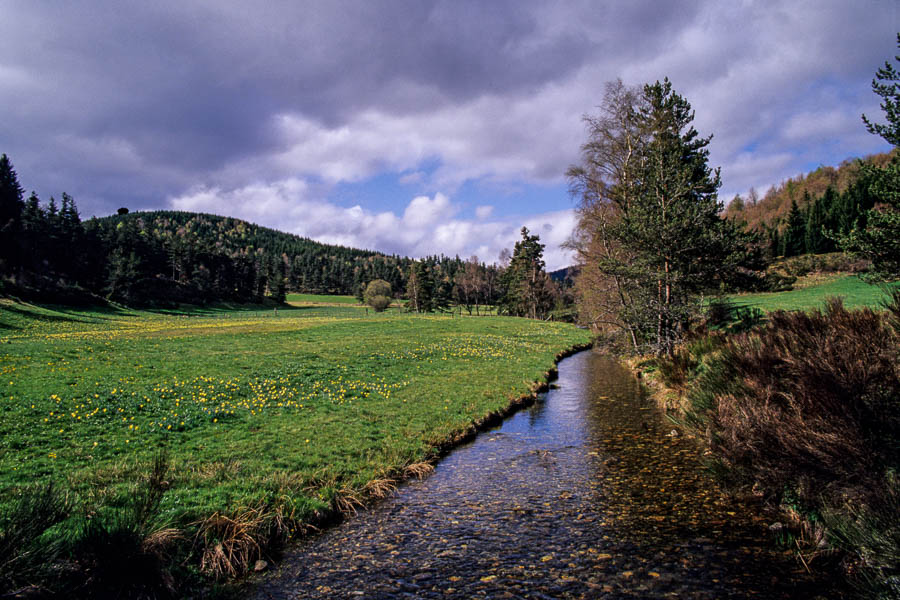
pixel 198 442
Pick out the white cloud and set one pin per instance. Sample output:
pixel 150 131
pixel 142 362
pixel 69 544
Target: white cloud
pixel 424 211
pixel 438 94
pixel 426 227
pixel 483 212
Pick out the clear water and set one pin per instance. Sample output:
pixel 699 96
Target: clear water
pixel 585 494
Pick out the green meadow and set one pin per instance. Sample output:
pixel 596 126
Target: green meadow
pixel 320 299
pixel 300 409
pixel 811 293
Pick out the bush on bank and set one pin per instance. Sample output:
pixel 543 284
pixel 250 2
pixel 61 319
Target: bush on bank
pixel 805 410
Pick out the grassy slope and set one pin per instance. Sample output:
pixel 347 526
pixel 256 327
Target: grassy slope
pixel 290 406
pixel 855 293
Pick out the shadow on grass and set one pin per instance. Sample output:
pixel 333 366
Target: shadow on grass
pixel 64 314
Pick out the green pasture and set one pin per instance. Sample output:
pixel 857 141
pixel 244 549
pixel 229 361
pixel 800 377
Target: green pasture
pixel 808 295
pixel 254 407
pixel 320 299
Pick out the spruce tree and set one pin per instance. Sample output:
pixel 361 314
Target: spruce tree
pixel 793 242
pixel 528 289
pixel 11 207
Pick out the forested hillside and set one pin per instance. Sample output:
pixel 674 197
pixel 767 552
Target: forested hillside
pixel 171 257
pixel 223 257
pixel 803 214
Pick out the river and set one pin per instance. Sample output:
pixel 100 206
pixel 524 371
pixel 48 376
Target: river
pixel 588 493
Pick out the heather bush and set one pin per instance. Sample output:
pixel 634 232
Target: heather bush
pixel 807 408
pixel 834 262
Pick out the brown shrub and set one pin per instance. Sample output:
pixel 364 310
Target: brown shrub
pixel 809 403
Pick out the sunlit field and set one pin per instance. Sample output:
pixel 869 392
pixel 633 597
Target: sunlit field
pixel 299 407
pixel 321 299
pixel 811 293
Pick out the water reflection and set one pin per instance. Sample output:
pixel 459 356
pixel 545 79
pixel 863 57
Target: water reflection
pixel 584 494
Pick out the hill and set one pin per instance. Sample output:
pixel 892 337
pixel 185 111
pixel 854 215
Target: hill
pixel 806 214
pixel 775 205
pixel 185 246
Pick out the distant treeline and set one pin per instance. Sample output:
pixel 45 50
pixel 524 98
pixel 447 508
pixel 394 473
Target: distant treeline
pixel 170 257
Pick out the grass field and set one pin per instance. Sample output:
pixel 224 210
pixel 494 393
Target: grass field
pixel 299 409
pixel 811 293
pixel 321 299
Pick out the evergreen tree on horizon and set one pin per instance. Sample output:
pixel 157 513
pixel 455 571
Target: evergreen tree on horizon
pixel 11 208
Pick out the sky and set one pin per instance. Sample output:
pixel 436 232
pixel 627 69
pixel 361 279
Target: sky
pixel 414 127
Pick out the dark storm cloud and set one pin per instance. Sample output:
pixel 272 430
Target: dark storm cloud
pixel 190 87
pixel 134 103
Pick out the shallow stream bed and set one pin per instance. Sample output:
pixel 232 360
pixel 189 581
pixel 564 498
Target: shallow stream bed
pixel 586 494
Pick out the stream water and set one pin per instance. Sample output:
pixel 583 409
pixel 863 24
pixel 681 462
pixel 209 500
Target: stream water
pixel 586 494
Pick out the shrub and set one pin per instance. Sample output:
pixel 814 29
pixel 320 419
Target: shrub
pixel 834 262
pixel 806 410
pixel 811 398
pixel 378 294
pixel 379 303
pixel 719 313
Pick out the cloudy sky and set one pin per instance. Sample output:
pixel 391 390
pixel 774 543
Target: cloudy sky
pixel 413 127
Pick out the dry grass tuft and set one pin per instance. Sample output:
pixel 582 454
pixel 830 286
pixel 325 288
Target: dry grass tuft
pixel 347 500
pixel 160 542
pixel 231 543
pixel 419 470
pixel 379 488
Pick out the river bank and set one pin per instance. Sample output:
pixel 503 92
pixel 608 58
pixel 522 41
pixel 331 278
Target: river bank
pixel 203 467
pixel 583 494
pixel 801 410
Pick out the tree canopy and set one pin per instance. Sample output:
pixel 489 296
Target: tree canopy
pixel 529 290
pixel 651 234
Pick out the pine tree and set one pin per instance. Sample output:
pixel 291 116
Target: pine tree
pixel 793 241
pixel 674 219
pixel 878 238
pixel 11 207
pixel 661 243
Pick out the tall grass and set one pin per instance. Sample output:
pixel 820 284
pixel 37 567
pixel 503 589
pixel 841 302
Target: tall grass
pixel 59 545
pixel 27 549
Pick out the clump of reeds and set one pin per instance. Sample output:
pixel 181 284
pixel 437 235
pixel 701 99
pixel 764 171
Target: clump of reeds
pixel 125 549
pixel 27 550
